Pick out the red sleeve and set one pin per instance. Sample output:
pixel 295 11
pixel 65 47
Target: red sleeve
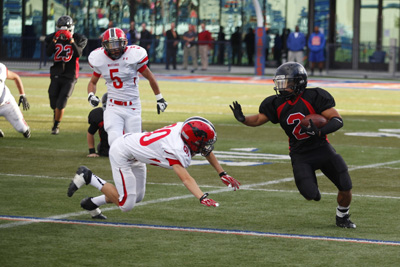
pixel 143 68
pixel 174 162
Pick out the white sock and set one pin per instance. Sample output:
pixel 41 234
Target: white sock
pixel 342 211
pixel 97 182
pixel 99 200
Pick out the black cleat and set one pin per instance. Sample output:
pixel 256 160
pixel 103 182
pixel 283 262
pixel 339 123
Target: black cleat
pixel 318 197
pixel 345 222
pixel 55 130
pixel 100 216
pixel 92 208
pixel 83 176
pixel 27 133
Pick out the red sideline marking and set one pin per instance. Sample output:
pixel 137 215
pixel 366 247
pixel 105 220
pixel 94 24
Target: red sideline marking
pixel 203 230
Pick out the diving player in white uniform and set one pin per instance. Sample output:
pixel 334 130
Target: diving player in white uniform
pixel 8 106
pixel 171 147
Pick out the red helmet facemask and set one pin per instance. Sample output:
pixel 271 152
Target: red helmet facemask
pixel 199 135
pixel 114 42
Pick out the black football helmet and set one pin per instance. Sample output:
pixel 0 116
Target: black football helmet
pixel 290 75
pixel 65 23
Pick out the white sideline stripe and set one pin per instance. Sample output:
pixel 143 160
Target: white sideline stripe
pixel 207 230
pixel 62 216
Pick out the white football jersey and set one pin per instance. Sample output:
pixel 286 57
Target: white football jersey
pixel 3 77
pixel 4 91
pixel 121 75
pixel 163 147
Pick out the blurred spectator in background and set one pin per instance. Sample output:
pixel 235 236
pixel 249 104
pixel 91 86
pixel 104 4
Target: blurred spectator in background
pixel 145 41
pixel 250 41
pixel 236 44
pixel 205 42
pixel 295 44
pixel 285 35
pixel 277 49
pixel 132 35
pixel 172 39
pixel 221 45
pixel 190 47
pixel 316 44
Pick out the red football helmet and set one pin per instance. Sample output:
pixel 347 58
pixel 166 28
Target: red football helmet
pixel 199 135
pixel 114 42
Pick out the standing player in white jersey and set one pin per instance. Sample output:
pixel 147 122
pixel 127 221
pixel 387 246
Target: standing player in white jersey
pixel 120 66
pixel 8 107
pixel 171 147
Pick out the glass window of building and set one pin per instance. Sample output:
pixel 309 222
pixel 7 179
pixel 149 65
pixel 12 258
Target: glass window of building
pixel 391 17
pixel 12 29
pixel 344 31
pixel 368 28
pixel 297 14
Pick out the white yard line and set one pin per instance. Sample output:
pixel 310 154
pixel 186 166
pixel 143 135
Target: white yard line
pixel 160 200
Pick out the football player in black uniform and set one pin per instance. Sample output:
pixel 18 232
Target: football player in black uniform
pixel 67 47
pixel 309 147
pixel 96 122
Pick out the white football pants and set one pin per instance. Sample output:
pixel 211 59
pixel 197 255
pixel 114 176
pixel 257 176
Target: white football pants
pixel 129 177
pixel 119 120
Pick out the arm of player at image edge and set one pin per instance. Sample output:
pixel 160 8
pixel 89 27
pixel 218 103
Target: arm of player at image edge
pixel 225 177
pixel 18 82
pixel 92 88
pixel 252 120
pixel 191 185
pixel 161 103
pixel 92 150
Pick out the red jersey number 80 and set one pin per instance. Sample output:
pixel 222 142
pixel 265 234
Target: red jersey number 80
pixel 156 135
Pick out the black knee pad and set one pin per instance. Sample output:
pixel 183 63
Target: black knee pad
pixel 306 181
pixel 53 102
pixel 344 180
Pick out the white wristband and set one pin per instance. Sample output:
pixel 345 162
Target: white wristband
pixel 22 95
pixel 159 96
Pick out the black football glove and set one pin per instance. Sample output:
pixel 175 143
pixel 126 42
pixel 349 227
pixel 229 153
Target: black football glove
pixel 311 130
pixel 24 101
pixel 237 111
pixel 161 105
pixel 93 100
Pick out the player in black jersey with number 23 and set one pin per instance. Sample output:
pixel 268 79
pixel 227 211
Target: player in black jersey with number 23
pixel 66 48
pixel 309 146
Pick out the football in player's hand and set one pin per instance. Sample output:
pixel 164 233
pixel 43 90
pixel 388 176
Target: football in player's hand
pixel 319 120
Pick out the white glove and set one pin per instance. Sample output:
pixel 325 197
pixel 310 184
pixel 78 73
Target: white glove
pixel 93 100
pixel 161 103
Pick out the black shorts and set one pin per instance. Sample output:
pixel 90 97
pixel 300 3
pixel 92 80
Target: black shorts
pixel 60 90
pixel 325 159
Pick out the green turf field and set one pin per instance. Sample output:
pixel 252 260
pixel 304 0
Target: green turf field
pixel 35 174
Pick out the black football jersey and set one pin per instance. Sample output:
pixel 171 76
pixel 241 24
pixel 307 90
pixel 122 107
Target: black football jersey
pixel 65 55
pixel 96 122
pixel 289 114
